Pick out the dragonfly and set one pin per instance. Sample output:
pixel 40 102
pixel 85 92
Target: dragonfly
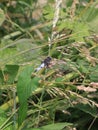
pixel 51 63
pixel 44 64
pixel 58 66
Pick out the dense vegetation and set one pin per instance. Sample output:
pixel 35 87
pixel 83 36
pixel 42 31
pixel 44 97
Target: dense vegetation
pixel 63 95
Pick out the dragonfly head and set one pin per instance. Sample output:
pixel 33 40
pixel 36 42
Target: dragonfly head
pixel 47 61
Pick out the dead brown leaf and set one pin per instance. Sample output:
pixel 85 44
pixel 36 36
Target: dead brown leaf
pixel 86 89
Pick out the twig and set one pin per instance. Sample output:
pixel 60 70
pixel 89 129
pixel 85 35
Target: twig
pixel 89 128
pixel 55 20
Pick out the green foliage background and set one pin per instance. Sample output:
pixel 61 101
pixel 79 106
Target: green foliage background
pixel 64 96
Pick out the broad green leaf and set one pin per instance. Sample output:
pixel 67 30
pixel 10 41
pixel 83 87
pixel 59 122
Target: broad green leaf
pixel 56 126
pixel 25 86
pixel 2 17
pixel 6 52
pixel 24 47
pixel 22 112
pixel 23 91
pixel 25 44
pixel 10 73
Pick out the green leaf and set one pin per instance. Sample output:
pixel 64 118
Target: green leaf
pixel 48 12
pixel 68 24
pixel 1 77
pixel 80 30
pixel 2 17
pixel 94 74
pixel 59 79
pixel 22 112
pixel 34 129
pixel 2 116
pixel 56 126
pixel 92 110
pixel 91 16
pixel 23 91
pixel 3 119
pixel 10 73
pixel 25 86
pixel 83 66
pixel 9 49
pixel 26 44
